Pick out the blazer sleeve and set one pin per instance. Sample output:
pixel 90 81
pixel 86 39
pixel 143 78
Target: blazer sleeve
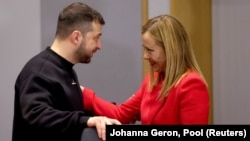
pixel 126 113
pixel 194 100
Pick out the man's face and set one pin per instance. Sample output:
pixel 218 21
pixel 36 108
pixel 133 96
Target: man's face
pixel 90 43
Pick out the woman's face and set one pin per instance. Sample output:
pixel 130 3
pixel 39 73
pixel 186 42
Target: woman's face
pixel 154 53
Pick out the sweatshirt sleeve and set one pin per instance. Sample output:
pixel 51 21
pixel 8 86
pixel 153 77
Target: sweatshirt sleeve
pixel 126 112
pixel 37 99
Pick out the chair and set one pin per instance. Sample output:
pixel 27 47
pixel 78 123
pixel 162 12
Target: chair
pixel 90 134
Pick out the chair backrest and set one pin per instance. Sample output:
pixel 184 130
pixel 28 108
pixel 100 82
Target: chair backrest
pixel 90 134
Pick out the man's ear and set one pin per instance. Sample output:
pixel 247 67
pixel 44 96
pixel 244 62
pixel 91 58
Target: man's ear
pixel 76 37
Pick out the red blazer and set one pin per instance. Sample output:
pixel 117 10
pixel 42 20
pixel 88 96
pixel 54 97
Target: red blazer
pixel 186 103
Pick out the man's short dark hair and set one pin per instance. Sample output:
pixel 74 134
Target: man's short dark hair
pixel 77 16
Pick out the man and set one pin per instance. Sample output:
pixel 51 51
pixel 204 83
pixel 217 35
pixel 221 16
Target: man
pixel 48 102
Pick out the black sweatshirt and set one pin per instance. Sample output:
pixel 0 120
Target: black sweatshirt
pixel 48 101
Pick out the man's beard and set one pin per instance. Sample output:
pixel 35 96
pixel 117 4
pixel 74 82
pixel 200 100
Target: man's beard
pixel 82 55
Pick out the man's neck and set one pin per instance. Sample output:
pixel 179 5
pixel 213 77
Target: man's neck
pixel 64 49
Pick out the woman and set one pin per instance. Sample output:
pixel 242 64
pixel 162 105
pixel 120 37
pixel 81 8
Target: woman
pixel 174 91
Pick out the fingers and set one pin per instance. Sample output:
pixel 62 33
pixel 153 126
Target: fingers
pixel 101 128
pixel 100 123
pixel 82 88
pixel 116 122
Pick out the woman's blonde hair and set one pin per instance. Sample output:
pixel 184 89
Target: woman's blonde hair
pixel 169 33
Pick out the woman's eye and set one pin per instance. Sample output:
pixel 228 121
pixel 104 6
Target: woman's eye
pixel 149 50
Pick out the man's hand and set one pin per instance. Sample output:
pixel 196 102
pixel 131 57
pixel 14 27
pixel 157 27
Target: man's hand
pixel 100 123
